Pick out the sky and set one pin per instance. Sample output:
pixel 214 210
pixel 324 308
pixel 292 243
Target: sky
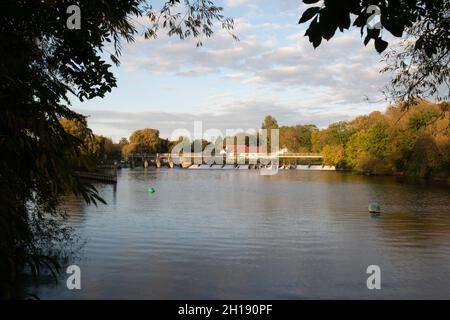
pixel 169 83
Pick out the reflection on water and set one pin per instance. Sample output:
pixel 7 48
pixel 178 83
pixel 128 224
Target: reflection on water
pixel 236 234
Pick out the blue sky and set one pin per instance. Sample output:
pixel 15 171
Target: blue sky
pixel 168 83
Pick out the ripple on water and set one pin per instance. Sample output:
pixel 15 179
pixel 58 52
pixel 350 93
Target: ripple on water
pixel 213 234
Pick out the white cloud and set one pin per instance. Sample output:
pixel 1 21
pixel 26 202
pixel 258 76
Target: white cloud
pixel 236 3
pixel 300 84
pixel 343 66
pixel 233 114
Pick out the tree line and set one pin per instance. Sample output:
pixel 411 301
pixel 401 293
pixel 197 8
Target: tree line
pixel 413 141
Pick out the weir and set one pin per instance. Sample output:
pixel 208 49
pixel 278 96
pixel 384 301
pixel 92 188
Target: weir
pixel 285 160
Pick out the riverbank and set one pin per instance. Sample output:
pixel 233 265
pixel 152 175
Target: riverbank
pixel 402 175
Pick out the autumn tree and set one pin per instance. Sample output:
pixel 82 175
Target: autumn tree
pixel 145 141
pixel 98 147
pixel 269 124
pixel 334 155
pixel 336 134
pixel 297 138
pixel 289 139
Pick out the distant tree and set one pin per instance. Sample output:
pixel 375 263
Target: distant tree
pixel 145 141
pixel 97 147
pixel 415 141
pixel 368 150
pixel 297 138
pixel 126 150
pixel 104 149
pixel 269 124
pixel 334 155
pixel 91 146
pixel 425 158
pixel 377 141
pixel 112 150
pixel 336 134
pixel 422 119
pixel 123 141
pixel 164 145
pixel 123 147
pixel 304 133
pixel 289 139
pixel 364 122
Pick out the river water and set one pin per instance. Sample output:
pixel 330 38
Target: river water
pixel 239 235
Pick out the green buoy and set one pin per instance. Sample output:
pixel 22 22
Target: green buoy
pixel 374 207
pixel 151 190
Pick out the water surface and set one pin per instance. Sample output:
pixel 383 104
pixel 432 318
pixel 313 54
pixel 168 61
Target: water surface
pixel 238 235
